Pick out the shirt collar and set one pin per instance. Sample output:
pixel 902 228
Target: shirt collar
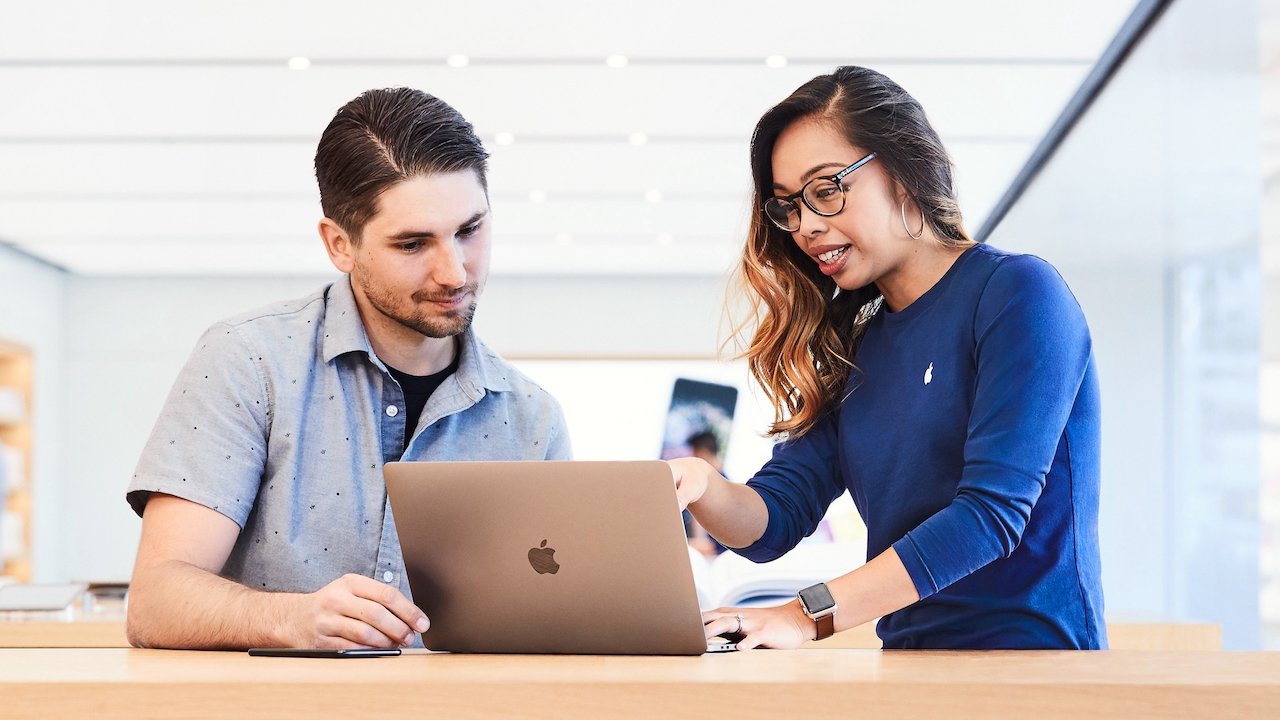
pixel 343 329
pixel 479 366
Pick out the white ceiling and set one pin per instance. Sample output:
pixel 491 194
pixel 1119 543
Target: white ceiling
pixel 144 137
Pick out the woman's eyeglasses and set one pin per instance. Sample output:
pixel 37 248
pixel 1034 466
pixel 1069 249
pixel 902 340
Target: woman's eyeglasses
pixel 823 195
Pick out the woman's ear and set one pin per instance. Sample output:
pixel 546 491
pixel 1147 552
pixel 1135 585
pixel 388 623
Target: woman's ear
pixel 896 189
pixel 338 243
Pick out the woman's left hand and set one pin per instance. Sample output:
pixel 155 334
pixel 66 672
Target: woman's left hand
pixel 782 627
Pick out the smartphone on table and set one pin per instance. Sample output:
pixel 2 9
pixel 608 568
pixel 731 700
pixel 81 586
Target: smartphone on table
pixel 322 653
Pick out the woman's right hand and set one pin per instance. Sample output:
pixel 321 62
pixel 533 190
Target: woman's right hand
pixel 692 476
pixel 733 514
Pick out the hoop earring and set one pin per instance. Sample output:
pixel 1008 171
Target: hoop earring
pixel 902 211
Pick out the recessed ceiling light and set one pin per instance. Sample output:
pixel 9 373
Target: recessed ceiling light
pixel 776 61
pixel 537 195
pixel 616 61
pixel 563 238
pixel 664 238
pixel 653 196
pixel 637 138
pixel 458 61
pixel 299 63
pixel 504 138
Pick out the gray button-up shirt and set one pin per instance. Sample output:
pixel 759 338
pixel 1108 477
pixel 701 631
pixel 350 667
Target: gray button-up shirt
pixel 282 419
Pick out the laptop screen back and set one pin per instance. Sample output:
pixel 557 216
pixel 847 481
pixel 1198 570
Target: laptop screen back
pixel 547 557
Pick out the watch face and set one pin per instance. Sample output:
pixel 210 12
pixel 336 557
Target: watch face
pixel 817 598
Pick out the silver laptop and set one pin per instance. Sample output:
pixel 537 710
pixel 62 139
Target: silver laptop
pixel 547 557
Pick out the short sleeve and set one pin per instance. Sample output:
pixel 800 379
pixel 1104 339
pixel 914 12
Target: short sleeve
pixel 209 444
pixel 558 444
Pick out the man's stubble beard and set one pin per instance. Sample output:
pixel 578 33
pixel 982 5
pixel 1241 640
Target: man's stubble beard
pixel 453 323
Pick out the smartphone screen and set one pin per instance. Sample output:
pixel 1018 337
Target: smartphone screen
pixel 319 653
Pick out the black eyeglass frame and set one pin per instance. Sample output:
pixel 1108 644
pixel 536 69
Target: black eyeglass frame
pixel 790 200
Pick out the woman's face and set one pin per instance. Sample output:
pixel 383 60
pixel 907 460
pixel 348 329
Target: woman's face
pixel 865 242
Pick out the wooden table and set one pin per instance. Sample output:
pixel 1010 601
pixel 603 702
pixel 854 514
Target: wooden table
pixel 99 624
pixel 107 630
pixel 80 633
pixel 126 683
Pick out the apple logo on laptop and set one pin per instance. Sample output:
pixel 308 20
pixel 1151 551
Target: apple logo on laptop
pixel 543 560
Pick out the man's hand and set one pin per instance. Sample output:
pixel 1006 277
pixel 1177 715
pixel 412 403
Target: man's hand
pixel 356 612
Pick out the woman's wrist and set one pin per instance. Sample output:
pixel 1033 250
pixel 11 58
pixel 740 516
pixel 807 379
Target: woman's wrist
pixel 709 477
pixel 808 628
pixel 733 514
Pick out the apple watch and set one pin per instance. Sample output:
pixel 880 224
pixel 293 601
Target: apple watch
pixel 821 609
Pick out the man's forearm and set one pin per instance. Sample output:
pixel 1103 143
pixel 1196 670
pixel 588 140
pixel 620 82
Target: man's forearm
pixel 174 604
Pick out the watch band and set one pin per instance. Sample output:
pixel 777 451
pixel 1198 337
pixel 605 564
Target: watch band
pixel 826 625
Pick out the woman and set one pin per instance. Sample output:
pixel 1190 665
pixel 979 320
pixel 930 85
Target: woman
pixel 948 386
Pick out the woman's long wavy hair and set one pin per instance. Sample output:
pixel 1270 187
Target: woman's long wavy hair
pixel 806 331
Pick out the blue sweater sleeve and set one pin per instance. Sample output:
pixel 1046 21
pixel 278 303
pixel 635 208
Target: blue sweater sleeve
pixel 797 485
pixel 1032 351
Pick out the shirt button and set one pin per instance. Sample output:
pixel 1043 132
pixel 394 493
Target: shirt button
pixel 388 576
pixel 392 410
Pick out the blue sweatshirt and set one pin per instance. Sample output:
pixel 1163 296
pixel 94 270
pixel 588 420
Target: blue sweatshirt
pixel 969 440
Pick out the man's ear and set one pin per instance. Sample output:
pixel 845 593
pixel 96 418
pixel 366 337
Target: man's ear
pixel 337 242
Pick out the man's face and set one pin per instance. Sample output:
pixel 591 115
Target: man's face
pixel 423 259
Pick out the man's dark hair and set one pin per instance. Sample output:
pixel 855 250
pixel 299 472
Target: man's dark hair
pixel 705 440
pixel 384 137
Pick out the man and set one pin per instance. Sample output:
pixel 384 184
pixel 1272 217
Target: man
pixel 265 516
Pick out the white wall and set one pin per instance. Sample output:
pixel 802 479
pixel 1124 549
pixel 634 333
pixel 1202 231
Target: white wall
pixel 31 313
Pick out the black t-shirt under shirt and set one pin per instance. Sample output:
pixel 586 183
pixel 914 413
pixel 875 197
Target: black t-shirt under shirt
pixel 417 390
